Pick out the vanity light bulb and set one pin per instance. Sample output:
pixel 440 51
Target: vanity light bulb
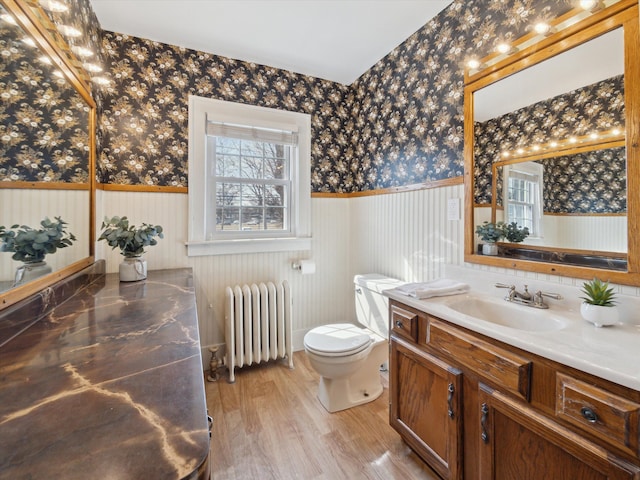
pixel 594 136
pixel 520 151
pixel 616 131
pixel 553 144
pixel 101 80
pixel 29 41
pixel 505 154
pixel 54 6
pixel 82 51
pixel 45 59
pixel 503 48
pixel 536 148
pixel 69 31
pixel 542 28
pixel 8 18
pixel 473 63
pixel 587 4
pixel 92 67
pixel 573 140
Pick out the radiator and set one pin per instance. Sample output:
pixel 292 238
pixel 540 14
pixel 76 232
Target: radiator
pixel 258 324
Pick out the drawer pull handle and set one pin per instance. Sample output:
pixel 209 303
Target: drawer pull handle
pixel 451 390
pixel 399 324
pixel 483 423
pixel 589 415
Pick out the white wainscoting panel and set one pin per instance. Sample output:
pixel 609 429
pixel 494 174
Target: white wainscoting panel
pixel 406 235
pixel 323 297
pixel 29 207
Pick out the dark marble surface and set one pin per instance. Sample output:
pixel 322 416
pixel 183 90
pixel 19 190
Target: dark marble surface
pixel 107 384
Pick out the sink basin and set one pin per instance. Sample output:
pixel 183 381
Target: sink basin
pixel 501 312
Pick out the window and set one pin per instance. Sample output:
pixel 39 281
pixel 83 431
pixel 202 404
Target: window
pixel 523 196
pixel 249 186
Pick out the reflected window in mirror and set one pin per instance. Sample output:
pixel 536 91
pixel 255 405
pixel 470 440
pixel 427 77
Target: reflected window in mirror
pixel 568 102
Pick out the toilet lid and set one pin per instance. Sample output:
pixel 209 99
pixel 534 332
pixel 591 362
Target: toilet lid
pixel 337 339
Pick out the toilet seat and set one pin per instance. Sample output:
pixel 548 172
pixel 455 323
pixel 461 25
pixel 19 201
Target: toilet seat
pixel 337 340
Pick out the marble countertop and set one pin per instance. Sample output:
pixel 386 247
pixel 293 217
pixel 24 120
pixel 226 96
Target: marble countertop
pixel 612 353
pixel 109 384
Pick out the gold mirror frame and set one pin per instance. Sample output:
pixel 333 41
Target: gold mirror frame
pixel 34 21
pixel 622 14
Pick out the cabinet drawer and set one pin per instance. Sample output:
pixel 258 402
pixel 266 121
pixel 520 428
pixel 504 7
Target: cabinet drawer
pixel 507 370
pixel 597 411
pixel 404 322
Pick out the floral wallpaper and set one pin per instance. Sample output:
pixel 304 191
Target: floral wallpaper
pixel 144 123
pixel 44 134
pixel 599 106
pixel 587 182
pixel 401 123
pixel 591 182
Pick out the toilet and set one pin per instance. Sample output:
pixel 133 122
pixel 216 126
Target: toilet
pixel 347 356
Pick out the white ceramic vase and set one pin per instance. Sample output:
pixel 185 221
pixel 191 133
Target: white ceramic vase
pixel 598 315
pixel 490 249
pixel 133 269
pixel 30 271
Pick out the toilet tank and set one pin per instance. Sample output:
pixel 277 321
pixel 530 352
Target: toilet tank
pixel 372 308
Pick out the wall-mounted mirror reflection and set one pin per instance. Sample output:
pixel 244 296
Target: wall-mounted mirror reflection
pixel 44 154
pixel 549 149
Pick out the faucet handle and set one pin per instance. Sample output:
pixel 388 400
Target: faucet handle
pixel 504 285
pixel 555 296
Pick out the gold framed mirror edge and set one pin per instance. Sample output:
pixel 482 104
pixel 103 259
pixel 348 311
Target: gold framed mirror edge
pixel 31 17
pixel 622 14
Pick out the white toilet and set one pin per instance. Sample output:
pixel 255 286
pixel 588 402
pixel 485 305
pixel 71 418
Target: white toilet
pixel 348 357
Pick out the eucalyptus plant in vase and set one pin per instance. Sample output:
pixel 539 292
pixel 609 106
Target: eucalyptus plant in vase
pixel 490 233
pixel 599 305
pixel 31 245
pixel 131 241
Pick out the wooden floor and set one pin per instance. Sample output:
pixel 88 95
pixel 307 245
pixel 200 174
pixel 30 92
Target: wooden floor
pixel 270 425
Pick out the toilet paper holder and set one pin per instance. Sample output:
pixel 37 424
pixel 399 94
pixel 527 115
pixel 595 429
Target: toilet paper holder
pixel 305 267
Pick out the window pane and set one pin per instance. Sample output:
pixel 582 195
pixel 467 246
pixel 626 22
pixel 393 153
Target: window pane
pixel 275 161
pixel 274 218
pixel 275 195
pixel 253 218
pixel 227 194
pixel 227 218
pixel 252 195
pixel 227 165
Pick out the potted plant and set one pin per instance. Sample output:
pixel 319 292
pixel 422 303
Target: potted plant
pixel 131 241
pixel 514 233
pixel 490 233
pixel 30 246
pixel 599 306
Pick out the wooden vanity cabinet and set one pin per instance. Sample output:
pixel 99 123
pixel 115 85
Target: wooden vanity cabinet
pixel 425 408
pixel 475 408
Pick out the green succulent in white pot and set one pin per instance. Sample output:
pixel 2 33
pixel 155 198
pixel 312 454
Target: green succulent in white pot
pixel 599 304
pixel 31 245
pixel 131 241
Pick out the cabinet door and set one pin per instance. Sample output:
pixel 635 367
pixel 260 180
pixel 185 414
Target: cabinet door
pixel 518 443
pixel 425 402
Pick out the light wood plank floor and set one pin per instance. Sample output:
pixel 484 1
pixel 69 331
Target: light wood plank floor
pixel 270 425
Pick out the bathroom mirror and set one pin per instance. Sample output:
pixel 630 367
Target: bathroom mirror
pixel 559 117
pixel 46 146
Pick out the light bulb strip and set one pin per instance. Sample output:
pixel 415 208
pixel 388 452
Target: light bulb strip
pixel 490 61
pixel 572 144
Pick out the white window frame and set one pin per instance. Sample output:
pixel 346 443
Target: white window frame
pixel 535 172
pixel 203 110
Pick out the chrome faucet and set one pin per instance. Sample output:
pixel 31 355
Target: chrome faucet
pixel 525 298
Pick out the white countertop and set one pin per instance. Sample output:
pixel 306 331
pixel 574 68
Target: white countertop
pixel 612 353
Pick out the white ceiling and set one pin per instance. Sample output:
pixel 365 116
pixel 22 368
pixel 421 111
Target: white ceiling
pixel 336 40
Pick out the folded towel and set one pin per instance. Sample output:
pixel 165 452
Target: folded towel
pixel 434 288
